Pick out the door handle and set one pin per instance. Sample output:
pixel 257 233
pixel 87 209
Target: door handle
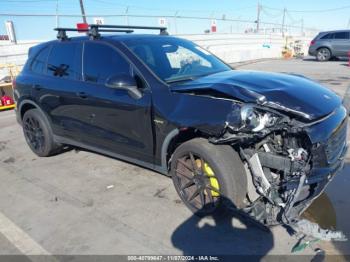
pixel 82 95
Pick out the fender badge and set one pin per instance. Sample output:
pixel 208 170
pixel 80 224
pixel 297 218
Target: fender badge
pixel 158 121
pixel 327 97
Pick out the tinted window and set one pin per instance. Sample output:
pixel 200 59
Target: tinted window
pixel 102 61
pixel 341 35
pixel 64 61
pixel 39 62
pixel 327 36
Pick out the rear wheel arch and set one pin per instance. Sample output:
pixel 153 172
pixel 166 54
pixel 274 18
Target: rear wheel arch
pixel 327 47
pixel 27 105
pixel 324 47
pixel 38 133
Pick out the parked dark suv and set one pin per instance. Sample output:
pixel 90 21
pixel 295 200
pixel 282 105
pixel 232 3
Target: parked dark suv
pixel 266 143
pixel 330 44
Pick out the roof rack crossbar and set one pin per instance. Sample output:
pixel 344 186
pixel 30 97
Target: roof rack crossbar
pixel 163 30
pixel 116 30
pixel 62 35
pixel 94 29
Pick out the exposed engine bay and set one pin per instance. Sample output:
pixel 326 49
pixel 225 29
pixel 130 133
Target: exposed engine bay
pixel 280 161
pixel 277 166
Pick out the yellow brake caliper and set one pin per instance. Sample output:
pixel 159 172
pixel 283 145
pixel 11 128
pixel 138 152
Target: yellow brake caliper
pixel 212 178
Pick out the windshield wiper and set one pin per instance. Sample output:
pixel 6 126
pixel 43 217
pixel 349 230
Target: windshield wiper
pixel 181 79
pixel 188 78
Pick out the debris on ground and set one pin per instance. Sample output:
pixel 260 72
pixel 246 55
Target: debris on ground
pixel 311 229
pixel 312 233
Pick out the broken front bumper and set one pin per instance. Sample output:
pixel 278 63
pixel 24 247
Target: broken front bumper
pixel 287 184
pixel 329 147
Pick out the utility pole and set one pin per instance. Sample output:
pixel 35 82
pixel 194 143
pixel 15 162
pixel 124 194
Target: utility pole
pixel 57 18
pixel 302 27
pixel 258 18
pixel 127 15
pixel 175 21
pixel 283 20
pixel 82 11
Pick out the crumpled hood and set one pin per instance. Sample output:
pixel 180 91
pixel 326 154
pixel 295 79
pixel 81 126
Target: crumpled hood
pixel 283 91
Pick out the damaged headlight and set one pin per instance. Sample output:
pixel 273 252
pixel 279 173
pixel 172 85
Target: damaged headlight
pixel 255 119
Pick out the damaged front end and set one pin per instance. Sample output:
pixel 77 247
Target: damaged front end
pixel 288 161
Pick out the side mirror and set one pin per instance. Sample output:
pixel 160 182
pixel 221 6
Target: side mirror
pixel 126 82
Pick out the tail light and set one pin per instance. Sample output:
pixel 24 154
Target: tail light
pixel 312 42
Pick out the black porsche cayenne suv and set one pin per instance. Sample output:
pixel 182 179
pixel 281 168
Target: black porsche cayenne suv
pixel 269 143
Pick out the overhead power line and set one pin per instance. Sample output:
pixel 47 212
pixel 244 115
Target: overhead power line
pixel 311 11
pixel 27 1
pixel 113 3
pixel 270 15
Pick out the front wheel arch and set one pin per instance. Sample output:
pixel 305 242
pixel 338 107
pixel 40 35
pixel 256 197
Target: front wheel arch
pixel 226 164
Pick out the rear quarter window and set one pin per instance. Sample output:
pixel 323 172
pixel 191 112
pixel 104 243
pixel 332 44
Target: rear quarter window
pixel 327 36
pixel 65 61
pixel 39 62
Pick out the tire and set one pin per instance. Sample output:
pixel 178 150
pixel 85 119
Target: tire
pixel 323 54
pixel 224 163
pixel 38 134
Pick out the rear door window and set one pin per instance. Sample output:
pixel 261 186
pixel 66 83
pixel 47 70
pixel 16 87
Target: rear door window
pixel 341 35
pixel 39 62
pixel 65 61
pixel 102 61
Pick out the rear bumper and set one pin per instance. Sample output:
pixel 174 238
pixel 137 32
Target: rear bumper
pixel 312 51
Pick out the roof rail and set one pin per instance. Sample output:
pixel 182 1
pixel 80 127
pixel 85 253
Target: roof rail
pixel 94 30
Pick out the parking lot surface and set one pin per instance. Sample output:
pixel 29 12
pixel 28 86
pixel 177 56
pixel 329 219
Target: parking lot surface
pixel 80 202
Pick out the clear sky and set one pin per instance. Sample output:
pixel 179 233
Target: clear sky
pixel 313 12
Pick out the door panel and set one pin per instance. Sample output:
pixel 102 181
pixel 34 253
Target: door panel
pixel 118 122
pixel 341 44
pixel 58 84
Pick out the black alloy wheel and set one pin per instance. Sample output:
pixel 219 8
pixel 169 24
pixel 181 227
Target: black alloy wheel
pixel 196 183
pixel 209 178
pixel 38 134
pixel 34 134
